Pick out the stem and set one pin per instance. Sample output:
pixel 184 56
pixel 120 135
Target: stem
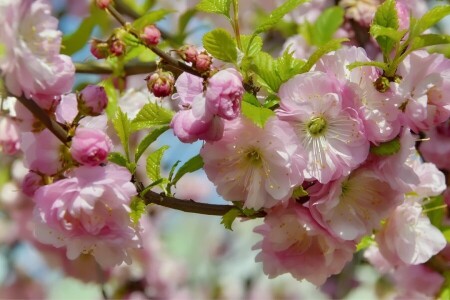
pixel 236 23
pixel 103 68
pixel 164 56
pixel 40 114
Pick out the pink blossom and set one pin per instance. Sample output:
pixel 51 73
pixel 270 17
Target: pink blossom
pixel 42 152
pixel 436 148
pixel 408 237
pixel 90 146
pixel 432 181
pixel 92 100
pixel 418 279
pixel 377 110
pixel 332 134
pixel 422 90
pixel 293 242
pixel 352 207
pixel 67 109
pixel 32 64
pixel 88 213
pixel 224 94
pixel 258 166
pixel 376 259
pixel 31 183
pixel 9 136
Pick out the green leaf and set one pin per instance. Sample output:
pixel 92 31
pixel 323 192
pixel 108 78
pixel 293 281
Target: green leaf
pixel 264 66
pixel 122 125
pixel 148 140
pixel 250 98
pixel 395 35
pixel 287 66
pixel 277 15
pixel 426 40
pixel 386 148
pixel 150 18
pixel 429 19
pixel 192 165
pixel 76 41
pixel 138 208
pixel 221 45
pixel 436 216
pixel 321 51
pixel 258 115
pixel 229 217
pixel 446 234
pixel 253 45
pixel 153 166
pixel 118 159
pixel 365 243
pixel 151 115
pixel 112 94
pixel 326 25
pixel 221 7
pixel 184 19
pixel 172 170
pixel 386 16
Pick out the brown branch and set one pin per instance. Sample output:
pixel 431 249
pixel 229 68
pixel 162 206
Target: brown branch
pixel 103 68
pixel 42 116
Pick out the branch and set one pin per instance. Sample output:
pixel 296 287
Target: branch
pixel 40 114
pixel 103 68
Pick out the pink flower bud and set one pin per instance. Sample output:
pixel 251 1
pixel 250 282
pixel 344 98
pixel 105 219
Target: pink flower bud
pixel 103 3
pixel 116 47
pixel 92 100
pixel 151 35
pixel 188 53
pixel 90 146
pixel 203 62
pixel 99 49
pixel 161 83
pixel 31 183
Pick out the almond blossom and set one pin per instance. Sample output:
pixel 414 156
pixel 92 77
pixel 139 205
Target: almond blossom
pixel 331 134
pixel 255 165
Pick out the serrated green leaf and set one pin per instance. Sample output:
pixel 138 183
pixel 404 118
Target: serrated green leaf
pixel 151 115
pixel 252 45
pixel 112 94
pixel 192 165
pixel 277 15
pixel 221 45
pixel 258 115
pixel 122 125
pixel 378 31
pixel 138 208
pixel 321 51
pixel 221 7
pixel 287 66
pixel 386 16
pixel 250 98
pixel 150 18
pixel 365 243
pixel 386 148
pixel 326 25
pixel 229 217
pixel 426 40
pixel 153 166
pixel 264 65
pixel 148 140
pixel 117 158
pixel 429 19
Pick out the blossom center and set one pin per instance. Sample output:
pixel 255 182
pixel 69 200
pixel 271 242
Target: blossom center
pixel 253 156
pixel 317 126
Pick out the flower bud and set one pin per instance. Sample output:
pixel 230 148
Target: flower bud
pixel 31 182
pixel 203 62
pixel 151 35
pixel 188 53
pixel 92 100
pixel 116 46
pixel 90 146
pixel 160 83
pixel 99 49
pixel 102 4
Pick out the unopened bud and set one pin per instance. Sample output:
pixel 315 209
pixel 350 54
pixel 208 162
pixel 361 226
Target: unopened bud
pixel 92 100
pixel 103 3
pixel 99 49
pixel 116 46
pixel 160 83
pixel 188 53
pixel 151 35
pixel 203 62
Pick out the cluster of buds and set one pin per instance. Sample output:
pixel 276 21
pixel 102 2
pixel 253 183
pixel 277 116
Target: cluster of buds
pixel 101 49
pixel 200 60
pixel 160 83
pixel 150 35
